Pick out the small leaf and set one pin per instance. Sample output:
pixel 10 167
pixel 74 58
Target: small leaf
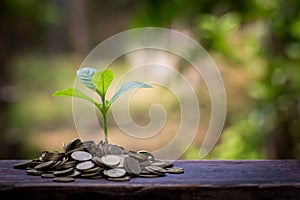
pixel 85 76
pixel 73 92
pixel 102 81
pixel 129 86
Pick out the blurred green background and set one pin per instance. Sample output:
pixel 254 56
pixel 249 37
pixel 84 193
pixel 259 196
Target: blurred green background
pixel 256 45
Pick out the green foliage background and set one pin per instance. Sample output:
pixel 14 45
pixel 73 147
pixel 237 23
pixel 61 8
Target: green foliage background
pixel 260 39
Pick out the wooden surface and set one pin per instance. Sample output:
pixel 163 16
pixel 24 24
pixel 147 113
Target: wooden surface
pixel 277 179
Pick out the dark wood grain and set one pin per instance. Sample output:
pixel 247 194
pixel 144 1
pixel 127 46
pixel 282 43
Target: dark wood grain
pixel 205 179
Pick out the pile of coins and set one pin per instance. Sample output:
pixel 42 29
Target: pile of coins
pixel 103 160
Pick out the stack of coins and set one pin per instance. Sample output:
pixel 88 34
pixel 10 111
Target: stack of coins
pixel 103 160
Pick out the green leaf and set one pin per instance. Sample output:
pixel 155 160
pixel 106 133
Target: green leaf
pixel 85 76
pixel 73 92
pixel 129 86
pixel 102 81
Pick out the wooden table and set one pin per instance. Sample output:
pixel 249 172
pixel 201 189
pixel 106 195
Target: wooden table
pixel 205 179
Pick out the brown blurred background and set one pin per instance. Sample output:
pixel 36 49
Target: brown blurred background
pixel 256 45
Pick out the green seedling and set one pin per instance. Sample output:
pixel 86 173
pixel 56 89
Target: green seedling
pixel 99 81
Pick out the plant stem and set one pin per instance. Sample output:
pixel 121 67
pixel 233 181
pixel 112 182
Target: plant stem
pixel 104 112
pixel 105 127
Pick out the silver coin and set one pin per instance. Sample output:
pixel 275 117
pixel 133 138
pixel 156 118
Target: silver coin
pixel 103 160
pixel 75 173
pixel 115 150
pixel 125 178
pixel 132 166
pixel 81 155
pixel 93 169
pixel 47 175
pixel 110 160
pixel 158 169
pixel 63 172
pixel 23 165
pixel 63 179
pixel 115 172
pixel 175 170
pixel 98 161
pixel 72 145
pixel 154 171
pixel 87 175
pixel 148 175
pixel 34 172
pixel 149 155
pixel 85 165
pixel 44 165
pixel 162 163
pixel 96 176
pixel 66 165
